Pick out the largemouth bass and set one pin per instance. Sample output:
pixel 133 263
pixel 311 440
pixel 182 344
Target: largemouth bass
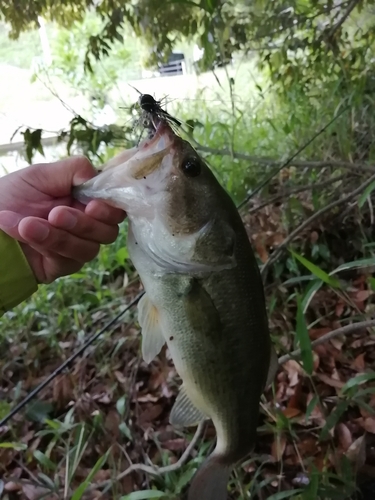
pixel 204 295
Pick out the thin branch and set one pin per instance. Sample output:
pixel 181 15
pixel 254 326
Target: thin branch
pixel 296 190
pixel 156 471
pixel 264 160
pixel 290 159
pixel 344 330
pixel 311 219
pixel 343 18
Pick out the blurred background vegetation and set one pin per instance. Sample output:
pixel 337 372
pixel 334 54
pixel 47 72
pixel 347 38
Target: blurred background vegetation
pixel 260 80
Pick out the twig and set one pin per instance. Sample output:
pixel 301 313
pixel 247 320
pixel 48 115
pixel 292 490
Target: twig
pixel 343 18
pixel 156 471
pixel 291 158
pixel 311 219
pixel 300 189
pixel 344 330
pixel 263 160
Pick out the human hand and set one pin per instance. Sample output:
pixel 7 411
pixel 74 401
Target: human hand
pixel 56 232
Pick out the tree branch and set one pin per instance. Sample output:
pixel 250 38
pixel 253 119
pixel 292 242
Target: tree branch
pixel 343 18
pixel 311 219
pixel 156 471
pixel 296 190
pixel 264 160
pixel 344 330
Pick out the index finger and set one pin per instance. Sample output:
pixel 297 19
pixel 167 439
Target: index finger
pixel 103 212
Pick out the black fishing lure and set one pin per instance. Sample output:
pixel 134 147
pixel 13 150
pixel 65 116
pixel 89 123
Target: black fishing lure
pixel 153 108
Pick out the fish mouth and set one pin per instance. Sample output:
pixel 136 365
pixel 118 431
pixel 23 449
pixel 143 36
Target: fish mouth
pixel 159 128
pixel 130 165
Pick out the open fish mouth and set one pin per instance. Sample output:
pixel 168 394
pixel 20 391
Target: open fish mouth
pixel 161 137
pixel 121 173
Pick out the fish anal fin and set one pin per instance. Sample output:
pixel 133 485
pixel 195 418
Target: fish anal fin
pixel 184 413
pixel 152 335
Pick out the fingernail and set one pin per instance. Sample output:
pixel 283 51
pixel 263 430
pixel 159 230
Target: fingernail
pixel 40 231
pixel 68 220
pixel 9 219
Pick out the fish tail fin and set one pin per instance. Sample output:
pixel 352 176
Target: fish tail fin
pixel 210 481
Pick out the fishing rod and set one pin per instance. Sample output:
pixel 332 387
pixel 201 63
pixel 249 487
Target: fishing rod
pixel 67 362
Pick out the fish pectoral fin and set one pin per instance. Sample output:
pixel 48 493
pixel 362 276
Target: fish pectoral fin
pixel 152 335
pixel 274 366
pixel 184 413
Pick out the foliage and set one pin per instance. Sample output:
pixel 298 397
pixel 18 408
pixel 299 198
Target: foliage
pixel 68 56
pixel 296 41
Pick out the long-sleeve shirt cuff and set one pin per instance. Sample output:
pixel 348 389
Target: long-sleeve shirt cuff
pixel 17 281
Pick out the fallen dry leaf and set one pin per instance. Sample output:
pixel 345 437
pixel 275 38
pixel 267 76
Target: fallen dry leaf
pixel 152 412
pixel 32 492
pixel 363 295
pixel 356 452
pixel 359 363
pixel 344 436
pixel 367 423
pixel 291 412
pixel 12 486
pixel 330 381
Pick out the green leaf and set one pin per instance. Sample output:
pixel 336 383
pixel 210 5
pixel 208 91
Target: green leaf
pixel 311 491
pixel 366 193
pixel 310 407
pixel 126 431
pixel 14 446
pixel 4 408
pixel 333 418
pixel 44 460
pixel 122 255
pixel 309 294
pixel 319 273
pixel 39 411
pixel 121 406
pixel 303 338
pixel 280 495
pixel 355 265
pixel 77 495
pixel 299 279
pixel 358 380
pixel 143 495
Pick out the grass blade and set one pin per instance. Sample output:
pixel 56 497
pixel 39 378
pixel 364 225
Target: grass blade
pixel 303 338
pixel 319 273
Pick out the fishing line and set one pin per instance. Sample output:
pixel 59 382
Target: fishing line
pixel 67 362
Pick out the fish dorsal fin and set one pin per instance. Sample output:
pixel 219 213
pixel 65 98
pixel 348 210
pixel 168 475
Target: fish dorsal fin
pixel 184 413
pixel 274 366
pixel 152 335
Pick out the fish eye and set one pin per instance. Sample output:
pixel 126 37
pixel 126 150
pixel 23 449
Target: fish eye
pixel 191 167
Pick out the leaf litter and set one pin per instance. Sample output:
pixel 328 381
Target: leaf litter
pixel 113 403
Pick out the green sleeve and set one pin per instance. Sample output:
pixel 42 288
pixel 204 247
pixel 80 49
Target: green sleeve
pixel 17 281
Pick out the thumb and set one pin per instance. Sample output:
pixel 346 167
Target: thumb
pixel 56 179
